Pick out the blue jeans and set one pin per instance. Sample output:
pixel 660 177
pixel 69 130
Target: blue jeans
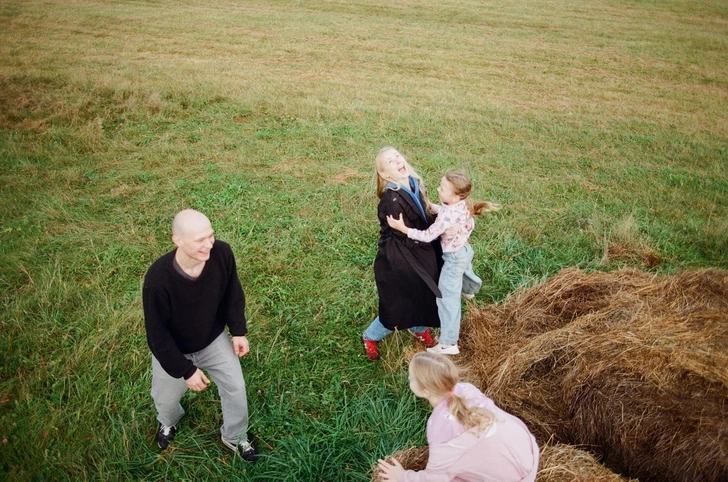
pixel 223 366
pixel 377 331
pixel 456 277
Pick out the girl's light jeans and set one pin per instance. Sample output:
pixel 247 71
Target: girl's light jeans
pixel 377 330
pixel 457 276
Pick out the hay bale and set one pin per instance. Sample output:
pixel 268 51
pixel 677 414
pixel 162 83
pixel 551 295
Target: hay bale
pixel 632 365
pixel 566 463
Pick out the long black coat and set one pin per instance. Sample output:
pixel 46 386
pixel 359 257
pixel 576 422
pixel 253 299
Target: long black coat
pixel 406 271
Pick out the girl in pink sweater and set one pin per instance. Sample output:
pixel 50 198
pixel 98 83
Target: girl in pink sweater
pixel 470 438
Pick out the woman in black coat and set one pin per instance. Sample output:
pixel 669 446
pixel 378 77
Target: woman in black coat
pixel 406 271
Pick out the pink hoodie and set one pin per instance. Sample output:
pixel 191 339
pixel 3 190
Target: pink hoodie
pixel 506 452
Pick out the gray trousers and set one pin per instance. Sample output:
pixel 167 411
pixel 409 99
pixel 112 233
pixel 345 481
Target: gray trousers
pixel 218 359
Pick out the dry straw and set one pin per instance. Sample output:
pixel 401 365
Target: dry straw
pixel 632 366
pixel 566 463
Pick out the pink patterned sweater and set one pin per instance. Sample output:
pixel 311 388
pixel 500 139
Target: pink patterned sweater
pixel 453 224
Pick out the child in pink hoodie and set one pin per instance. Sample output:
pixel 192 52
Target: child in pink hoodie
pixel 470 438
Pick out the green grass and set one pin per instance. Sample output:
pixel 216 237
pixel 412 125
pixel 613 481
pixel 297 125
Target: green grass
pixel 598 125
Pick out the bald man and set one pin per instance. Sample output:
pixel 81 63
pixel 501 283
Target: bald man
pixel 190 295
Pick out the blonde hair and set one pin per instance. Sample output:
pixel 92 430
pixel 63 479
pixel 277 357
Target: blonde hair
pixel 462 187
pixel 382 181
pixel 438 375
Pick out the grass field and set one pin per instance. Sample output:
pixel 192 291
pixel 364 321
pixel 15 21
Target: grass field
pixel 600 126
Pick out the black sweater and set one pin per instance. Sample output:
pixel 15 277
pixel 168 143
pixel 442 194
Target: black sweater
pixel 183 315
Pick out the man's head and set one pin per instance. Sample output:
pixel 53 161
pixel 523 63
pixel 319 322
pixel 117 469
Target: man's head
pixel 193 235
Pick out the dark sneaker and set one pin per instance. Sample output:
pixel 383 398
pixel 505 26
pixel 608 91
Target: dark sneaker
pixel 244 448
pixel 165 435
pixel 425 338
pixel 370 347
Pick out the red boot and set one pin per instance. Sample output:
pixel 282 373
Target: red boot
pixel 370 347
pixel 425 338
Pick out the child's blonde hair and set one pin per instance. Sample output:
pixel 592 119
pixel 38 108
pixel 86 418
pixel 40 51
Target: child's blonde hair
pixel 382 182
pixel 438 375
pixel 462 186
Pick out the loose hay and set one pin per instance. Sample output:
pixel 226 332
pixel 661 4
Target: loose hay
pixel 566 463
pixel 632 365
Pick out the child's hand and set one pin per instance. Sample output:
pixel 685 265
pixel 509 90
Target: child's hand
pixel 397 224
pixel 390 472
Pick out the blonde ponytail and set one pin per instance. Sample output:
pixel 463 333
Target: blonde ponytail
pixel 477 417
pixel 480 208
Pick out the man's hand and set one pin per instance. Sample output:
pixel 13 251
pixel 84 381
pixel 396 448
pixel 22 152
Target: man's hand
pixel 198 381
pixel 240 345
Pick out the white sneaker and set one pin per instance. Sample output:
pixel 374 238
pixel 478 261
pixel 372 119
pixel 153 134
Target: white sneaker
pixel 468 296
pixel 444 349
